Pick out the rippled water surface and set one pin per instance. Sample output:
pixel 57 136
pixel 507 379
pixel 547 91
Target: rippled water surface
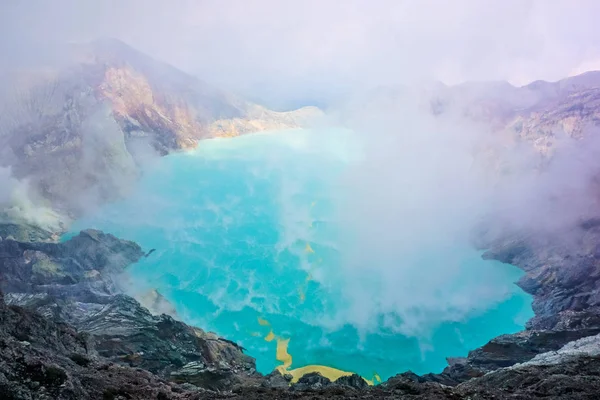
pixel 249 244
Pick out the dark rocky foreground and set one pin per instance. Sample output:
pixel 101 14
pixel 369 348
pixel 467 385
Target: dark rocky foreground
pixel 67 332
pixel 41 359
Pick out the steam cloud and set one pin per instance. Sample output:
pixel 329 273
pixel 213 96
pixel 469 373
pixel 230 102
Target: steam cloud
pixel 413 189
pixel 425 185
pixel 315 50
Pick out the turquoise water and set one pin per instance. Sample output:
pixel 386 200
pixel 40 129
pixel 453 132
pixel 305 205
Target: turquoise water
pixel 250 228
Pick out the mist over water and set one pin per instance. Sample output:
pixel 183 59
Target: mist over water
pixel 363 267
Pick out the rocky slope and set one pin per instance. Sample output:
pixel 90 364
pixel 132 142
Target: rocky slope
pixel 41 359
pixel 87 117
pixel 541 113
pixel 75 282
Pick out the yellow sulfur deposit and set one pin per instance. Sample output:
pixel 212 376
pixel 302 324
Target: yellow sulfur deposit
pixel 286 358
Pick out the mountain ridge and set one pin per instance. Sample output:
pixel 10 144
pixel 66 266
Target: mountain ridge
pixel 86 120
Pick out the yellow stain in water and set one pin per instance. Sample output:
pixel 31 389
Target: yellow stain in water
pixel 302 288
pixel 285 357
pixel 308 249
pixel 263 322
pixel 270 336
pixel 376 379
pixel 313 203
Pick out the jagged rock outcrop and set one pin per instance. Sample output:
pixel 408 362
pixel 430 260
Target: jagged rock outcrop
pixel 505 351
pixel 315 381
pixel 311 381
pixel 74 282
pixel 576 378
pixel 25 232
pixel 41 359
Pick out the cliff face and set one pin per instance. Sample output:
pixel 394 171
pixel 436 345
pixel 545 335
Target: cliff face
pixel 76 283
pixel 87 122
pixel 46 360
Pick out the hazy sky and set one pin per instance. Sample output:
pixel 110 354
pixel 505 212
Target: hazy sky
pixel 305 47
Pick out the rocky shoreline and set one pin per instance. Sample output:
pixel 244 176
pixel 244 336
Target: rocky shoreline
pixel 69 332
pixel 563 276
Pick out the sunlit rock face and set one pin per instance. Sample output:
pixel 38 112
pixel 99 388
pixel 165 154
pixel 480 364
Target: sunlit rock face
pixel 256 239
pixel 83 119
